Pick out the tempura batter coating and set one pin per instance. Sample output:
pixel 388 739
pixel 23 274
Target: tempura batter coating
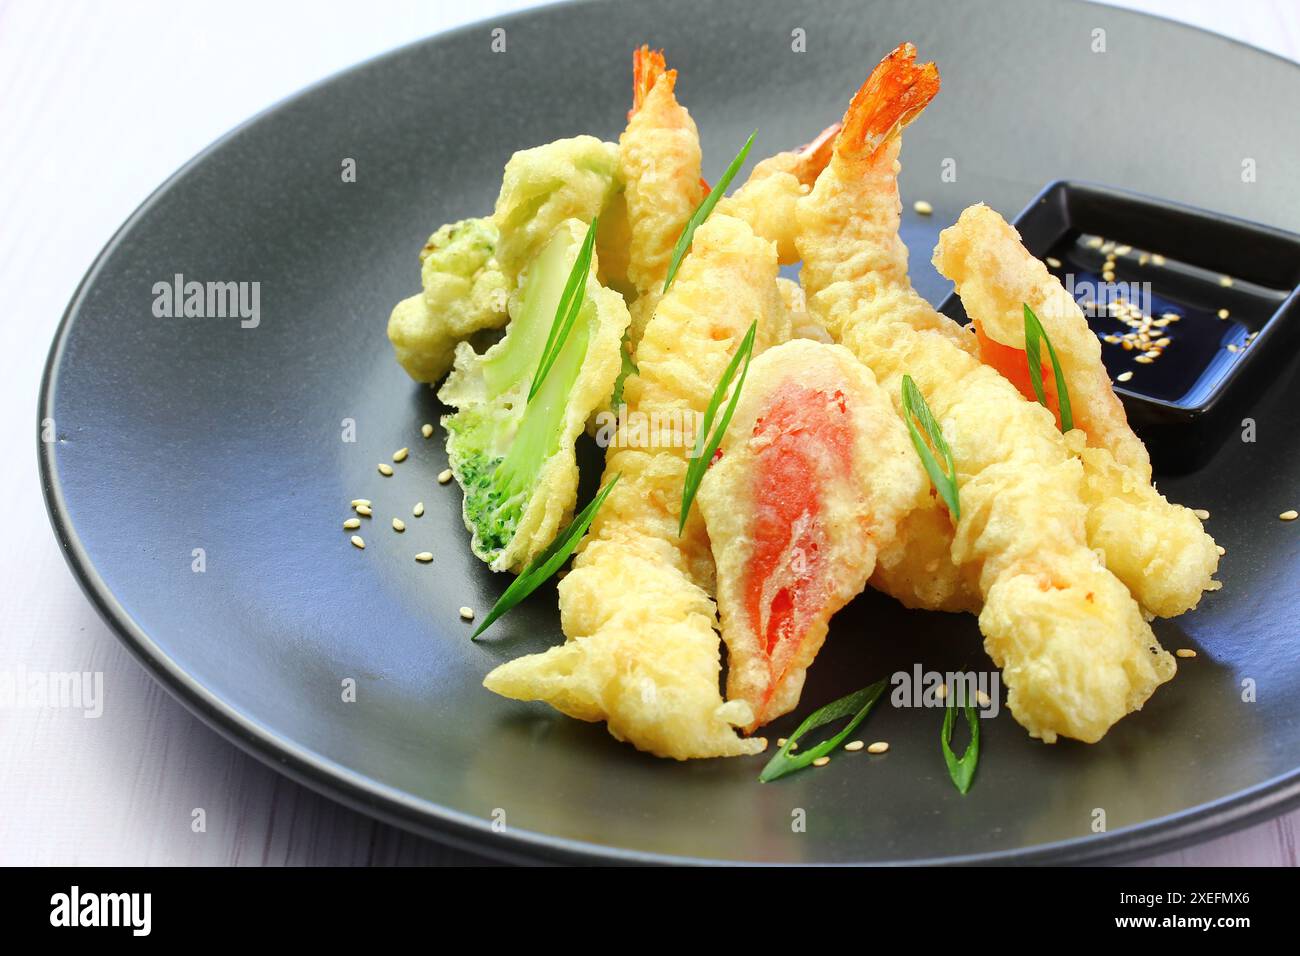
pixel 642 653
pixel 659 163
pixel 1157 548
pixel 815 471
pixel 1075 651
pixel 465 291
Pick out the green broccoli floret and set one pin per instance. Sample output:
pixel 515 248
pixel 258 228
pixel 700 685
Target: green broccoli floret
pixel 512 456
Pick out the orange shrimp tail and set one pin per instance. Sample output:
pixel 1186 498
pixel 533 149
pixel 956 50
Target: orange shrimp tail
pixel 647 67
pixel 816 156
pixel 894 94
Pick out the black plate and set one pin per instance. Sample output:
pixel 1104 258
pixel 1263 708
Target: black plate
pixel 178 434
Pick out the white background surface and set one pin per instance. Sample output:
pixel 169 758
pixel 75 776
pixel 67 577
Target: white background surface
pixel 101 102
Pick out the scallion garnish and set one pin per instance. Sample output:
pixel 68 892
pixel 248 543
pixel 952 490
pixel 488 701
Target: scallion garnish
pixel 962 771
pixel 566 313
pixel 709 438
pixel 916 410
pixel 858 704
pixel 1033 332
pixel 548 562
pixel 703 209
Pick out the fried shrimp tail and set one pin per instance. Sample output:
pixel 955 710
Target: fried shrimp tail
pixel 1157 548
pixel 816 470
pixel 659 161
pixel 642 652
pixel 1075 650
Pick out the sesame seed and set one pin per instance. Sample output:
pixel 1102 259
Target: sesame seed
pixel 879 747
pixel 1094 242
pixel 922 207
pixel 942 691
pixel 1224 313
pixel 1289 515
pixel 360 501
pixel 1234 348
pixel 1225 281
pixel 1108 276
pixel 1054 262
pixel 1143 258
pixel 357 542
pixel 424 557
pixel 351 524
pixel 467 614
pixel 853 746
pixel 1123 250
pixel 1185 652
pixel 1124 376
pixel 444 476
pixel 399 525
pixel 400 455
pixel 1201 513
pixel 426 430
pixel 1157 259
pixel 983 698
pixel 821 761
pixel 418 510
pixel 780 741
pixel 1144 360
pixel 364 511
pixel 385 470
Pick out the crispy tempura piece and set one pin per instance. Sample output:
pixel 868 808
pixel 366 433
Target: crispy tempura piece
pixel 659 161
pixel 1158 549
pixel 1075 651
pixel 767 199
pixel 642 653
pixel 816 470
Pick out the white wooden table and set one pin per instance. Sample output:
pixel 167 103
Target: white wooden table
pixel 101 102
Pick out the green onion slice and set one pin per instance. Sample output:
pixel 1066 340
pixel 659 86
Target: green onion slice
pixel 961 770
pixel 944 481
pixel 1033 332
pixel 566 313
pixel 703 209
pixel 548 562
pixel 709 438
pixel 858 704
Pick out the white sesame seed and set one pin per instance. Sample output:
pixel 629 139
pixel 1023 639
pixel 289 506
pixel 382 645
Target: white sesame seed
pixel 1124 376
pixel 1158 259
pixel 399 525
pixel 821 761
pixel 1094 242
pixel 1054 262
pixel 418 510
pixel 781 741
pixel 385 470
pixel 444 476
pixel 853 746
pixel 1234 348
pixel 351 524
pixel 1224 313
pixel 399 456
pixel 1185 652
pixel 1289 515
pixel 1144 360
pixel 360 501
pixel 1225 281
pixel 922 207
pixel 1123 250
pixel 364 511
pixel 1201 513
pixel 942 691
pixel 426 430
pixel 879 747
pixel 467 614
pixel 357 542
pixel 424 557
pixel 983 698
pixel 1108 276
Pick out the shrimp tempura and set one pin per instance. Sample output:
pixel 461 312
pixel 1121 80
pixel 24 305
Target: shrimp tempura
pixel 1075 651
pixel 816 470
pixel 1157 548
pixel 642 653
pixel 659 160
